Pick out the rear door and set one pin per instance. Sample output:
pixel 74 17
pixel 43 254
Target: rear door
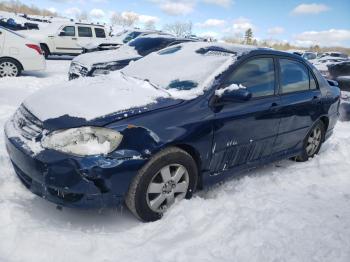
pixel 245 131
pixel 300 104
pixel 66 41
pixel 85 35
pixel 2 40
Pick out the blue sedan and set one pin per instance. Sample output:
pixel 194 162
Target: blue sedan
pixel 176 121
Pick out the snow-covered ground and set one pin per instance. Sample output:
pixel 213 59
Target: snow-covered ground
pixel 286 211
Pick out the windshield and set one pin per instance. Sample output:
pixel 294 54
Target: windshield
pixel 147 45
pixel 181 67
pixel 131 36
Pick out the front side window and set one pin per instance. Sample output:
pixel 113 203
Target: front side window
pixel 100 33
pixel 294 76
pixel 68 31
pixel 257 76
pixel 84 31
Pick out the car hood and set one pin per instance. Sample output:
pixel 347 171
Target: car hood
pixel 96 101
pixel 90 59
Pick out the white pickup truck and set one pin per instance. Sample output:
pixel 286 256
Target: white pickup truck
pixel 70 38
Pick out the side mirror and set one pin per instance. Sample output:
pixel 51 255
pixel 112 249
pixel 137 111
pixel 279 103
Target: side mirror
pixel 233 93
pixel 332 83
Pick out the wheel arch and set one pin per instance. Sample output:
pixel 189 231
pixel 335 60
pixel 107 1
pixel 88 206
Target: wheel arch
pixel 325 121
pixel 196 157
pixel 46 46
pixel 14 59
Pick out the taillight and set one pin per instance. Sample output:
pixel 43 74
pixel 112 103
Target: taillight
pixel 36 48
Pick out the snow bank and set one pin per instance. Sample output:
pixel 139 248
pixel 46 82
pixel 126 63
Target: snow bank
pixel 90 98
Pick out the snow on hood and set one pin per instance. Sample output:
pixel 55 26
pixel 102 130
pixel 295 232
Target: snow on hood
pixel 123 53
pixel 93 98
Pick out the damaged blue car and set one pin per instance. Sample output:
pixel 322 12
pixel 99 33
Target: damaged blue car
pixel 171 123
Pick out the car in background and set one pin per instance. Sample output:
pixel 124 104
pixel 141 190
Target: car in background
pixel 177 120
pixel 17 54
pixel 333 54
pixel 309 55
pixel 103 62
pixel 126 36
pixel 344 109
pixel 69 38
pixel 340 72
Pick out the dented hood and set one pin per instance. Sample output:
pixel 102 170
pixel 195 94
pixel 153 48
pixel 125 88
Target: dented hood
pixel 97 101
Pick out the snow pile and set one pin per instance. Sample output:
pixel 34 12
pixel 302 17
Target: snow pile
pixel 90 98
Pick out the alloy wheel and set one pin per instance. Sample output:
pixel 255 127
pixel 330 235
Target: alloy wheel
pixel 314 141
pixel 168 185
pixel 8 69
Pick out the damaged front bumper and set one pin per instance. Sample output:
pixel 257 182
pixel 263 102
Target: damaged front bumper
pixel 86 182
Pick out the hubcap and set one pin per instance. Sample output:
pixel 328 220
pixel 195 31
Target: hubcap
pixel 169 184
pixel 314 141
pixel 8 69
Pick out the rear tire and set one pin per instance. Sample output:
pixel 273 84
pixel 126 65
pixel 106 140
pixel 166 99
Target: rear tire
pixel 9 68
pixel 313 142
pixel 171 175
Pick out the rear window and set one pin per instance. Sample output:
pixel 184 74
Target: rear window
pixel 100 33
pixel 84 31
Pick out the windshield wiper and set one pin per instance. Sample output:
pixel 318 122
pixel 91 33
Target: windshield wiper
pixel 146 80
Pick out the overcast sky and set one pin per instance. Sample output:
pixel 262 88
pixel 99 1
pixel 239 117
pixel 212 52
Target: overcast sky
pixel 325 22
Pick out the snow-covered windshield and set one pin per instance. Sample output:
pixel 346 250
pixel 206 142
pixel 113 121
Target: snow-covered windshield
pixel 184 67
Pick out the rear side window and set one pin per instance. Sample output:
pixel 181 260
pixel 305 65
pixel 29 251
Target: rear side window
pixel 68 31
pixel 257 75
pixel 84 31
pixel 100 33
pixel 295 77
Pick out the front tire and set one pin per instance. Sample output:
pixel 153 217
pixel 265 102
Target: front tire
pixel 9 68
pixel 313 142
pixel 171 175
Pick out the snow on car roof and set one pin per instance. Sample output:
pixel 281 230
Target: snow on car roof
pixel 187 69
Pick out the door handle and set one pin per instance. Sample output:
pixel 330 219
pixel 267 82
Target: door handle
pixel 74 38
pixel 274 104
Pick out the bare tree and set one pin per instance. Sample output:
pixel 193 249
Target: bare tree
pixel 82 16
pixel 130 18
pixel 126 19
pixel 180 29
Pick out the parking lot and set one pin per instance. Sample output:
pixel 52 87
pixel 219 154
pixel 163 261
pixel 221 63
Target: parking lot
pixel 286 211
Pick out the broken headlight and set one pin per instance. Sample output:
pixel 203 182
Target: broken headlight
pixel 83 141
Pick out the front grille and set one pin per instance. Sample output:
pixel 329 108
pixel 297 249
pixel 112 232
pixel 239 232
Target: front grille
pixel 77 69
pixel 28 125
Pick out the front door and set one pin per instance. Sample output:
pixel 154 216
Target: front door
pixel 245 132
pixel 66 41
